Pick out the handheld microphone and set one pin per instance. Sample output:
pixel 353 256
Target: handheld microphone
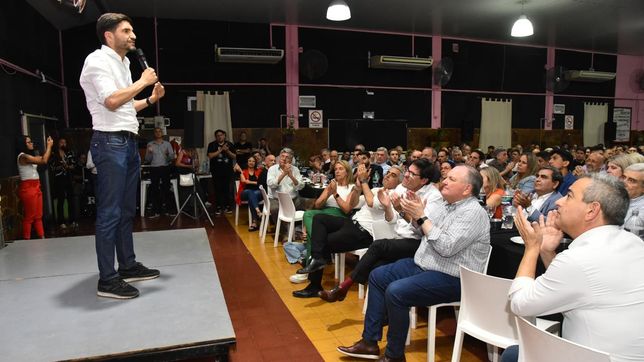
pixel 141 57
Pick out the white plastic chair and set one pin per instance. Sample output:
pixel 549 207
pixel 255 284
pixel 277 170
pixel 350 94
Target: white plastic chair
pixel 144 194
pixel 431 318
pixel 536 345
pixel 266 213
pixel 287 213
pixel 339 267
pixel 485 313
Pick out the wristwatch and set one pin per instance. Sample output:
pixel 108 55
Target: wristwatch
pixel 336 195
pixel 421 220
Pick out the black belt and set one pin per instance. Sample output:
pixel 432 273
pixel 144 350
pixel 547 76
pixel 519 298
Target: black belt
pixel 126 134
pixel 357 224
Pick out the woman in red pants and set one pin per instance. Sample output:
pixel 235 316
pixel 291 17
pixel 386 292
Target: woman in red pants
pixel 29 190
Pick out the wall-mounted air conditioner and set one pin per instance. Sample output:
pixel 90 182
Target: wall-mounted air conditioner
pixel 402 63
pixel 588 76
pixel 248 55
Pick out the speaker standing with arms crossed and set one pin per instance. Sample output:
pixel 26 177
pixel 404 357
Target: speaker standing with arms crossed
pixel 109 91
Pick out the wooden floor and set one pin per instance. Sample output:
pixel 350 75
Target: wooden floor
pixel 272 325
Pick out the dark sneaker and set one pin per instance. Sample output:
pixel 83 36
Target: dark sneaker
pixel 229 210
pixel 137 273
pixel 116 288
pixel 218 212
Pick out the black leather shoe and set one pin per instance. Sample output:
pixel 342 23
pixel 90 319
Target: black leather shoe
pixel 384 358
pixel 361 349
pixel 314 265
pixel 333 295
pixel 307 292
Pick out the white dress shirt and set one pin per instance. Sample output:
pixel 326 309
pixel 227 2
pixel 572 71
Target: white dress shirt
pixel 406 229
pixel 286 185
pixel 104 72
pixel 598 285
pixel 537 202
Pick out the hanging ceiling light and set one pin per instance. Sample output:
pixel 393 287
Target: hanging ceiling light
pixel 522 27
pixel 338 11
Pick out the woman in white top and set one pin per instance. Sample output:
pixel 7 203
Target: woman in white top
pixel 29 190
pixel 336 198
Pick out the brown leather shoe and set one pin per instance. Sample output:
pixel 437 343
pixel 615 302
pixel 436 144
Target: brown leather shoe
pixel 361 349
pixel 384 358
pixel 333 295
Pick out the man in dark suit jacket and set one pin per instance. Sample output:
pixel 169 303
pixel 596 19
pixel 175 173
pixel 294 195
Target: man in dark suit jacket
pixel 545 194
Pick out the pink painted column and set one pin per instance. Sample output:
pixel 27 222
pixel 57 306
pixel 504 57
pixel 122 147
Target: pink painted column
pixel 627 88
pixel 436 89
pixel 550 99
pixel 292 73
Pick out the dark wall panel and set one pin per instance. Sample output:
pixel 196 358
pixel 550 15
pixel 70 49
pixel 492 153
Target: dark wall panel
pixel 347 55
pixel 29 41
pixel 187 51
pixel 463 110
pixel 575 107
pixel 342 103
pixel 584 61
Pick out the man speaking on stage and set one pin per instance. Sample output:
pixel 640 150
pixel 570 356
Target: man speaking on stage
pixel 109 91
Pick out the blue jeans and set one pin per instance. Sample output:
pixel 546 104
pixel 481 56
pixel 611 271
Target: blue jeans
pixel 511 354
pixel 396 287
pixel 253 197
pixel 118 165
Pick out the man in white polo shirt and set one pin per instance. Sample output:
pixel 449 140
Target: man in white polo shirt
pixel 109 92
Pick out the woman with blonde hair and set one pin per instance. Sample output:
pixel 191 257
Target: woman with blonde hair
pixel 618 163
pixel 527 168
pixel 336 199
pixel 493 186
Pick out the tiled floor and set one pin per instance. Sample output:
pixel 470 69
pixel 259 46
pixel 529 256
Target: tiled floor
pixel 272 325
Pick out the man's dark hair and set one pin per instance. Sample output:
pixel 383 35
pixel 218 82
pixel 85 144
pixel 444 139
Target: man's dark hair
pixel 109 22
pixel 361 153
pixel 220 130
pixel 426 168
pixel 567 156
pixel 544 154
pixel 481 155
pixel 556 175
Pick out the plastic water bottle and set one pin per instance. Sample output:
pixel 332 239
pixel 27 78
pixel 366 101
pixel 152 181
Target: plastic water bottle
pixel 635 224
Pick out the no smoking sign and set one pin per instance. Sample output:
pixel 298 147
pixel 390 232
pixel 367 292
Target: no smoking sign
pixel 315 118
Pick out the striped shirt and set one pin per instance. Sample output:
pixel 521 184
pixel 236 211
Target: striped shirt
pixel 462 237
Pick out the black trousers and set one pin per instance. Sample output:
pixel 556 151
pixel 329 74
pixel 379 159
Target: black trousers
pixel 160 177
pixel 222 180
pixel 383 251
pixel 64 190
pixel 333 234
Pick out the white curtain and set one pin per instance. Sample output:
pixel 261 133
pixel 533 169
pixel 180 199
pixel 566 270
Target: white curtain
pixel 496 123
pixel 216 108
pixel 595 115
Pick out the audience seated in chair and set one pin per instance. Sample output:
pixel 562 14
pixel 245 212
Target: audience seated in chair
pixel 597 282
pixel 383 251
pixel 460 237
pixel 331 234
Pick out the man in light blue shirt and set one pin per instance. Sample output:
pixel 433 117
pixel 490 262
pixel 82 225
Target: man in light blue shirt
pixel 159 154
